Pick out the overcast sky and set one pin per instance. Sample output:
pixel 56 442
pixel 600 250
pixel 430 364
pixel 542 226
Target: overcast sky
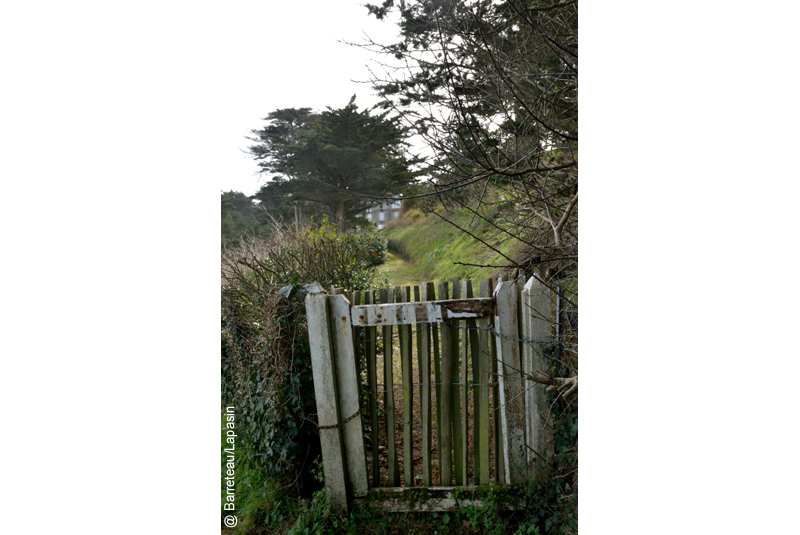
pixel 286 54
pixel 187 76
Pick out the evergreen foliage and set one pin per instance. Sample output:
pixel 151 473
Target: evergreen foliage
pixel 240 218
pixel 323 158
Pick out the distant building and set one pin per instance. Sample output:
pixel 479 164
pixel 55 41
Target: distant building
pixel 381 214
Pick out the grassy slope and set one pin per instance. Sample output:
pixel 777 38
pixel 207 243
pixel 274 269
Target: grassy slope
pixel 431 247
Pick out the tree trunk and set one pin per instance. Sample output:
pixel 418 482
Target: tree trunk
pixel 342 223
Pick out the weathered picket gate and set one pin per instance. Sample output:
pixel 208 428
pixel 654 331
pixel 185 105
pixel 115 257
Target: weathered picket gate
pixel 504 335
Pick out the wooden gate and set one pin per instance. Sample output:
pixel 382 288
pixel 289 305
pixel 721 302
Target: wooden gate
pixel 481 348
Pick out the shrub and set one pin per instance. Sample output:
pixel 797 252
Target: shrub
pixel 376 247
pixel 266 362
pixel 413 213
pixel 319 253
pixel 400 248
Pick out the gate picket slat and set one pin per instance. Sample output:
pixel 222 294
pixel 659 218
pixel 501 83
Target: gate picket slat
pixel 425 380
pixel 355 301
pixel 398 298
pixel 471 334
pixel 482 399
pixel 446 402
pixel 464 391
pixel 417 329
pixel 499 461
pixel 437 373
pixel 408 415
pixel 459 432
pixel 370 335
pixel 424 349
pixel 387 296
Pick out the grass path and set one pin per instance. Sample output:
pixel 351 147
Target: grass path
pixel 400 271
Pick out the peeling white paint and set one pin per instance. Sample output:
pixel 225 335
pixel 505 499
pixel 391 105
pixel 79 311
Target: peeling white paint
pixel 453 315
pixel 434 313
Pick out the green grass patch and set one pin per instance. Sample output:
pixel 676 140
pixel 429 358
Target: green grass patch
pixel 429 248
pixel 401 272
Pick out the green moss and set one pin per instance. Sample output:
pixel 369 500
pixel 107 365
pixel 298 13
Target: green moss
pixel 489 494
pixel 415 495
pixel 410 496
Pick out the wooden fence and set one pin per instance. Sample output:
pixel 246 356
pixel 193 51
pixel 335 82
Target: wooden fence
pixel 476 420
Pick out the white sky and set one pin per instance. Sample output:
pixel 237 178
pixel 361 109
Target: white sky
pixel 285 54
pixel 282 55
pixel 195 76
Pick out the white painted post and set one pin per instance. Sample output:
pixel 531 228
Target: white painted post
pixel 324 373
pixel 539 420
pixel 347 389
pixel 527 367
pixel 512 408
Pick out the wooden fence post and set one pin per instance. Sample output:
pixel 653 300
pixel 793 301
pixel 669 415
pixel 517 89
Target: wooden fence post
pixel 512 408
pixel 347 389
pixel 537 320
pixel 324 372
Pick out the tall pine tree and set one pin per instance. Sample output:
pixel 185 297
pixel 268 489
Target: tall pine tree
pixel 326 157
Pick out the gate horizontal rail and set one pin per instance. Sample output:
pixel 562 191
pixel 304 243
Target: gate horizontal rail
pixel 424 312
